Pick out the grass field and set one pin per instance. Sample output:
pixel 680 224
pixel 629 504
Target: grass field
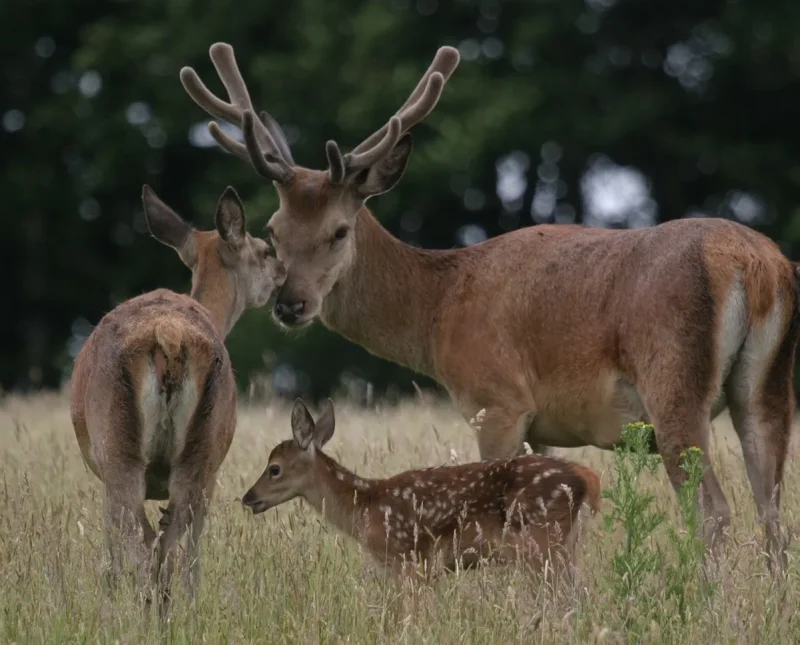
pixel 282 577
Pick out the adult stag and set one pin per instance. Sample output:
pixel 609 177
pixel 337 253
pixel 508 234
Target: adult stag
pixel 561 333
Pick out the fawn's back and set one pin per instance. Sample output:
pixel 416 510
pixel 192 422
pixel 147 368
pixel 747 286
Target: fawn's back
pixel 486 503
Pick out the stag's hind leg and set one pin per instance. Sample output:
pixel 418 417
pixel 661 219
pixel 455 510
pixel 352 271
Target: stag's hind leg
pixel 761 402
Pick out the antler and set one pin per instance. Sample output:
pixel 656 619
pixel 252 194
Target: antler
pixel 418 105
pixel 265 145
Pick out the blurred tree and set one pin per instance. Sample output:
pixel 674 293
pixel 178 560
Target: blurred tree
pixel 609 112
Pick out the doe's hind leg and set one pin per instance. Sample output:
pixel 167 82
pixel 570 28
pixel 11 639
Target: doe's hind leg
pixel 187 508
pixel 125 518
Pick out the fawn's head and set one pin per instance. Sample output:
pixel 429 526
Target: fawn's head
pixel 289 470
pixel 228 256
pixel 312 230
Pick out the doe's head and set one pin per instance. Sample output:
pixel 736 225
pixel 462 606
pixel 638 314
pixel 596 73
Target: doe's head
pixel 313 228
pixel 227 256
pixel 290 467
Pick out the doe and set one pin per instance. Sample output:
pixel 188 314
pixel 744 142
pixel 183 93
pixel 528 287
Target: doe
pixel 153 400
pixel 499 510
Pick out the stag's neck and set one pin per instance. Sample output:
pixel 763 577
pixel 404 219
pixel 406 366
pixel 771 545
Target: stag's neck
pixel 339 494
pixel 216 291
pixel 388 300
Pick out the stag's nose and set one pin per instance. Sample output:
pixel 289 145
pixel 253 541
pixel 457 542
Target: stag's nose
pixel 289 312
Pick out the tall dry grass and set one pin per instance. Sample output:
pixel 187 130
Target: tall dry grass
pixel 284 577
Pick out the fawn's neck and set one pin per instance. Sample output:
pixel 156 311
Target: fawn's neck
pixel 388 300
pixel 215 289
pixel 339 494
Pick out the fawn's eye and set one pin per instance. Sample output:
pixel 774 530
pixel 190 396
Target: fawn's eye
pixel 274 471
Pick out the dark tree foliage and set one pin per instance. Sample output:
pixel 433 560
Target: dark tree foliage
pixel 608 112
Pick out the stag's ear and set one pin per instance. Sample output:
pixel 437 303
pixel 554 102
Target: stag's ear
pixel 302 424
pixel 230 219
pixel 325 425
pixel 384 174
pixel 167 226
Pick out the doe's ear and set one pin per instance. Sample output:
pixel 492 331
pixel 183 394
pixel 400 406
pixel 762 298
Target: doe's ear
pixel 168 227
pixel 302 424
pixel 326 423
pixel 230 219
pixel 384 174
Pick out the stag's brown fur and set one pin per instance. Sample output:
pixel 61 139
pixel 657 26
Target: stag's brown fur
pixel 153 397
pixel 526 506
pixel 561 333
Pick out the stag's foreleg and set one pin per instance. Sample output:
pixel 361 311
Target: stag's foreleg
pixel 680 410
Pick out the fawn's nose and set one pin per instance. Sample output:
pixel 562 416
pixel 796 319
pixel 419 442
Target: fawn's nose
pixel 289 312
pixel 249 498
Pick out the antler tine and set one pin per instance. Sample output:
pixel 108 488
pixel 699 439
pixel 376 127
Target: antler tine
pixel 445 63
pixel 365 159
pixel 267 164
pixel 277 134
pixel 270 156
pixel 226 142
pixel 417 106
pixel 335 162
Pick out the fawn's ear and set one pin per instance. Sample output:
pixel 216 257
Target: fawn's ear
pixel 302 424
pixel 325 425
pixel 230 219
pixel 168 227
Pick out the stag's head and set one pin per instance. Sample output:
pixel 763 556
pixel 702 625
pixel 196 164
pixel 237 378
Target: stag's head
pixel 290 468
pixel 313 229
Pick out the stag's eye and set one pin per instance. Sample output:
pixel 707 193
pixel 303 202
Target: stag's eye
pixel 340 233
pixel 274 471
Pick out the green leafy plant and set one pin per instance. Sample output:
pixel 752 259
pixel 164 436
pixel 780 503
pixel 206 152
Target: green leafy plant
pixel 683 577
pixel 633 510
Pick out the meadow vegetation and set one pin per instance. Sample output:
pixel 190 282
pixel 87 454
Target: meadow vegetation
pixel 284 577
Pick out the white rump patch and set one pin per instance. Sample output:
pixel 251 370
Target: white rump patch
pixel 164 423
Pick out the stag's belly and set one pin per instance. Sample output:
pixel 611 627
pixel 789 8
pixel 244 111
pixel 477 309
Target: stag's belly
pixel 591 415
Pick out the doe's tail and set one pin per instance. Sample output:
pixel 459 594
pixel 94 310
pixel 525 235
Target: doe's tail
pixel 169 352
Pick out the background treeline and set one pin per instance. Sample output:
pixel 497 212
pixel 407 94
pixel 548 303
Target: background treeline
pixel 611 112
